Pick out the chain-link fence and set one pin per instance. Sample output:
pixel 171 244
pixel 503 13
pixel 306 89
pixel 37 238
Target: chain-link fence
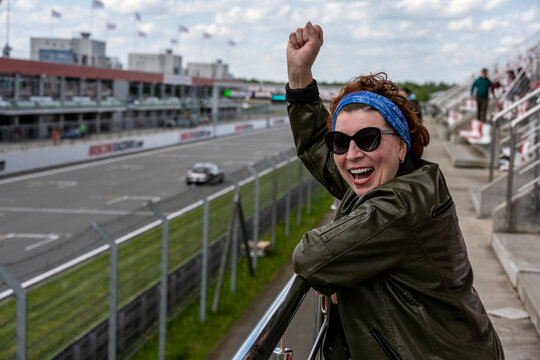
pixel 67 316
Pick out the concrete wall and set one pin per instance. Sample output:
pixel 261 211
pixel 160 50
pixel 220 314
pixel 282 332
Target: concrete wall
pixel 525 214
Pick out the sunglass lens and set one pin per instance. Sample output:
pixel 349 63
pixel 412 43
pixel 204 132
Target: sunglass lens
pixel 341 143
pixel 337 142
pixel 368 139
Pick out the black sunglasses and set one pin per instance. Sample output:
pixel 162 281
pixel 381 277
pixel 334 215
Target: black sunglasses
pixel 367 139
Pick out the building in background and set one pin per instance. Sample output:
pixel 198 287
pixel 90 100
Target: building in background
pixel 217 70
pixel 76 51
pixel 166 63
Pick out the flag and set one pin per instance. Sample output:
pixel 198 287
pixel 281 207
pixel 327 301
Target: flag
pixel 55 14
pixel 182 28
pixel 111 26
pixel 137 16
pixel 141 33
pixel 96 4
pixel 231 43
pixel 206 36
pixel 174 41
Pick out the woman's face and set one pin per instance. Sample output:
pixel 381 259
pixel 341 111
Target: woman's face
pixel 362 170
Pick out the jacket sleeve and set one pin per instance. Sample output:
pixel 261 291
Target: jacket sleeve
pixel 307 116
pixel 350 250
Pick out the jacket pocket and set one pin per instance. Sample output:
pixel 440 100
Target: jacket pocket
pixel 385 345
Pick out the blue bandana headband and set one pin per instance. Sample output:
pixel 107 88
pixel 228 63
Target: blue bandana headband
pixel 387 108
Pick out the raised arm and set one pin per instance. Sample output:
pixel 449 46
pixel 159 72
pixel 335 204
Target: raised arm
pixel 306 112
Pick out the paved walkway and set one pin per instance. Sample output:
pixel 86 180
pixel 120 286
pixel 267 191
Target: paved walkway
pixel 518 337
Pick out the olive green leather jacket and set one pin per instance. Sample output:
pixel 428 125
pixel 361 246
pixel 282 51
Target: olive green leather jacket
pixel 395 257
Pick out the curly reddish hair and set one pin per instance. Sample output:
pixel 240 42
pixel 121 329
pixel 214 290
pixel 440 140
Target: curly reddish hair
pixel 379 84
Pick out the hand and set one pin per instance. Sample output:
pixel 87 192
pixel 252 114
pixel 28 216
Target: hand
pixel 302 50
pixel 333 297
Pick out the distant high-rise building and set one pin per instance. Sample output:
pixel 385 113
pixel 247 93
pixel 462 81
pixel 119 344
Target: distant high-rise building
pixel 217 70
pixel 77 51
pixel 166 63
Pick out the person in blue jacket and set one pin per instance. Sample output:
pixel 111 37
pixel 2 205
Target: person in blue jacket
pixel 482 86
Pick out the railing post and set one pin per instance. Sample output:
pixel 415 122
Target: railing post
pixel 300 175
pixel 255 215
pixel 274 201
pixel 537 166
pixel 492 148
pixel 20 294
pixel 288 202
pixel 510 180
pixel 164 274
pixel 113 287
pixel 204 254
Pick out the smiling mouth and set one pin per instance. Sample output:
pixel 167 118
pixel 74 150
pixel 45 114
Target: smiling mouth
pixel 362 175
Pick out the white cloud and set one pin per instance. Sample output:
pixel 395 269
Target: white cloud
pixel 463 24
pixel 449 47
pixel 493 24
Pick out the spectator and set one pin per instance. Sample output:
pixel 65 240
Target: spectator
pixel 393 261
pixel 482 86
pixel 514 91
pixel 523 84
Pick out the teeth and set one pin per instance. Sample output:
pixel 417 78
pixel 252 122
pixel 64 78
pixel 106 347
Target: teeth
pixel 360 171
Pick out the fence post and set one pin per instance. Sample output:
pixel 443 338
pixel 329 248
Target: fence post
pixel 112 287
pixel 274 201
pixel 255 215
pixel 164 274
pixel 288 202
pixel 300 174
pixel 20 294
pixel 204 270
pixel 234 252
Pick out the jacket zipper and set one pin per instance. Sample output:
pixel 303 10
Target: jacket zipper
pixel 443 208
pixel 385 345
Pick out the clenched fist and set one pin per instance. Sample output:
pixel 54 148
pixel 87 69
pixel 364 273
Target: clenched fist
pixel 302 49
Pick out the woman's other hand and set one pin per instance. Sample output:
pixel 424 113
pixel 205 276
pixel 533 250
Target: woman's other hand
pixel 302 49
pixel 333 297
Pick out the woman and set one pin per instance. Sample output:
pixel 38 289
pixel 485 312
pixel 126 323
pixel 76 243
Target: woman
pixel 393 259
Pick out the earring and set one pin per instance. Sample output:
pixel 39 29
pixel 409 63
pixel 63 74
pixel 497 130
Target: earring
pixel 401 161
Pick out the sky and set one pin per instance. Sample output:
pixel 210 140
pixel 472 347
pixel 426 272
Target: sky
pixel 411 40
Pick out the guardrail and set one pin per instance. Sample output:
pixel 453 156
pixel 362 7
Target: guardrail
pixel 532 125
pixel 496 125
pixel 261 342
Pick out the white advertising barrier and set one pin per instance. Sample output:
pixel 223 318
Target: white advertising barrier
pixel 41 158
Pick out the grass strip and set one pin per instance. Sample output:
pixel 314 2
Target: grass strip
pixel 188 338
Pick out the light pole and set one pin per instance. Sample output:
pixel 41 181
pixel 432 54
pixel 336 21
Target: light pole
pixel 7 48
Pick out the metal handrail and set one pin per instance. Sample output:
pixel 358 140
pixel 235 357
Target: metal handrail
pixel 510 180
pixel 496 119
pixel 265 335
pixel 452 95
